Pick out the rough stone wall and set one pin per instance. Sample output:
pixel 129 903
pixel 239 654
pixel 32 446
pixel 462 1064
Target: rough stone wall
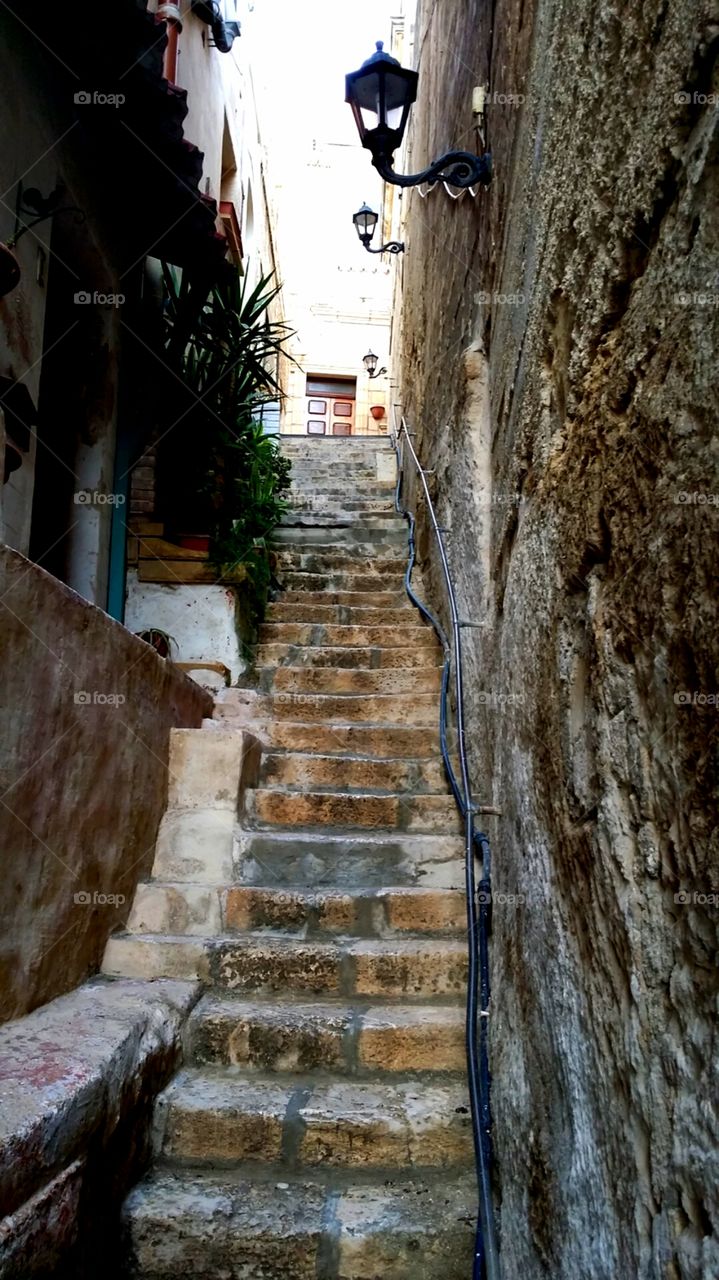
pixel 559 368
pixel 86 711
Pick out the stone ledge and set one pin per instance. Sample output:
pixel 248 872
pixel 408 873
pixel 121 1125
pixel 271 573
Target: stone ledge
pixel 73 1074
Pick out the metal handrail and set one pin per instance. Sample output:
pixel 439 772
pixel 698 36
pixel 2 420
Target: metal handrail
pixel 486 1254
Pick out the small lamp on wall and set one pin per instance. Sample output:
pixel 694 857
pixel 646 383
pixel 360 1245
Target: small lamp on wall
pixel 381 94
pixel 365 221
pixel 370 363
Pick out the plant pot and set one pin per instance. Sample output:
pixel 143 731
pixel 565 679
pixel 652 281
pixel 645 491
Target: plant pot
pixel 194 541
pixel 160 641
pixel 377 411
pixel 9 270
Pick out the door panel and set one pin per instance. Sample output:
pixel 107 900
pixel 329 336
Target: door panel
pixel 331 416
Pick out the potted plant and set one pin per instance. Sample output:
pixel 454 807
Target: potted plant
pixel 223 476
pixel 377 411
pixel 194 541
pixel 160 640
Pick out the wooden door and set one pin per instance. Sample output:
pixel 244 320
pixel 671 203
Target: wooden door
pixel 330 415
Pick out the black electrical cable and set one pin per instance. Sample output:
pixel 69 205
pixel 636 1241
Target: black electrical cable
pixel 486 1258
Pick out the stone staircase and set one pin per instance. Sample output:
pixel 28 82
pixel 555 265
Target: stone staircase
pixel 312 887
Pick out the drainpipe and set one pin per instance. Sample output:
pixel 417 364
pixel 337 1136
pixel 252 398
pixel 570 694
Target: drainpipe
pixel 172 16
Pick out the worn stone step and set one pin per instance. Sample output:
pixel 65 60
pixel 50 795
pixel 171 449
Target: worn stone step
pixel 355 518
pixel 376 709
pixel 324 560
pixel 343 545
pixel 359 599
pixel 336 450
pixel 275 806
pixel 183 909
pixel 373 659
pixel 345 615
pixel 306 772
pixel 217 1118
pixel 409 967
pixel 357 490
pixel 352 539
pixel 342 581
pixel 324 858
pixel 364 912
pixel 360 680
pixel 397 741
pixel 198 1225
pixel 347 1038
pixel 335 510
pixel 408 635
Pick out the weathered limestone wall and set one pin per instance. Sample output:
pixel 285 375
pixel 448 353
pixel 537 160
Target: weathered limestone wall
pixel 559 367
pixel 87 710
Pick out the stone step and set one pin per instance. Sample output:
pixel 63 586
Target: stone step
pixel 352 773
pixel 198 1225
pixel 182 909
pixel 380 521
pixel 368 913
pixel 294 655
pixel 359 488
pixel 339 614
pixel 360 599
pixel 358 680
pixel 352 538
pixel 213 1117
pixel 274 806
pixel 407 636
pixel 345 581
pixel 356 1039
pixel 375 709
pixel 329 506
pixel 411 968
pixel 370 741
pixel 329 560
pixel 325 859
pixel 336 450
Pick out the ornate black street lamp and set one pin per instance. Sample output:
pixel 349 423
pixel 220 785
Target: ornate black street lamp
pixel 370 363
pixel 380 95
pixel 365 220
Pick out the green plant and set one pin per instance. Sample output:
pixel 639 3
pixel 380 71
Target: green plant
pixel 226 350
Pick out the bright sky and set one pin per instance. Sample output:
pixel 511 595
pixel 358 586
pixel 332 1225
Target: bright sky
pixel 301 53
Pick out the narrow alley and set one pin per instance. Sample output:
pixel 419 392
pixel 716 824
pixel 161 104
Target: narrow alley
pixel 358 617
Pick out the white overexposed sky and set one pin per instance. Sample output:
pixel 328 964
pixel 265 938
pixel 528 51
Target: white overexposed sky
pixel 301 53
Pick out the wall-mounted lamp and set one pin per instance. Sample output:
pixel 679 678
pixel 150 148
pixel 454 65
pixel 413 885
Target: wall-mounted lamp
pixel 365 220
pixel 370 363
pixel 223 33
pixel 31 207
pixel 380 95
